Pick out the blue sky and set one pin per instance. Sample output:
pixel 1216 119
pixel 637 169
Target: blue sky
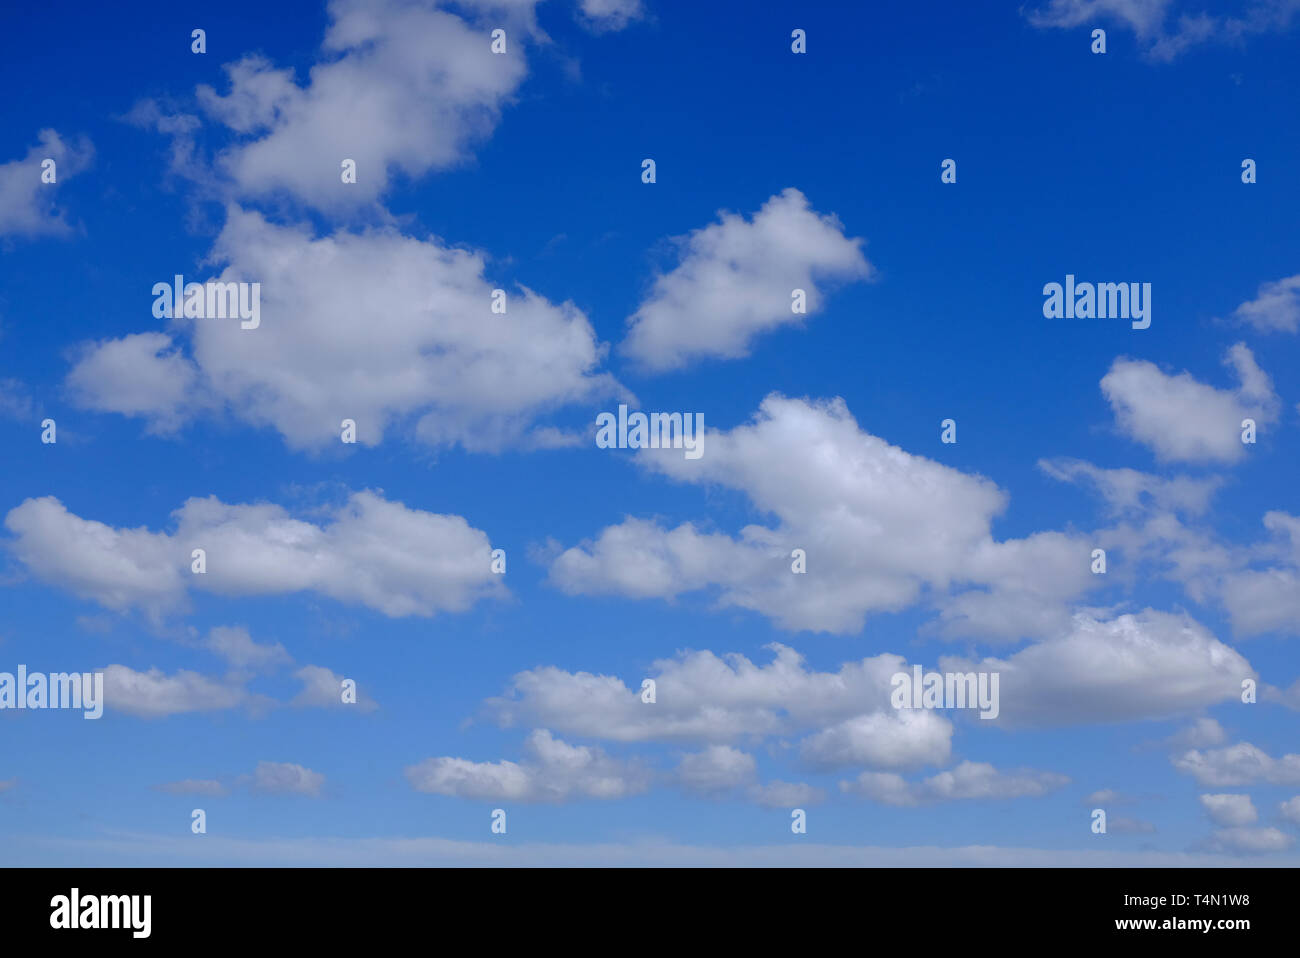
pixel 774 170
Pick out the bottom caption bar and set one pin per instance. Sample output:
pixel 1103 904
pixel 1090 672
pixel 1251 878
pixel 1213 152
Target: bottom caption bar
pixel 1219 907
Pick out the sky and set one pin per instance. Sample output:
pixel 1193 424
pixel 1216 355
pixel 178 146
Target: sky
pixel 428 645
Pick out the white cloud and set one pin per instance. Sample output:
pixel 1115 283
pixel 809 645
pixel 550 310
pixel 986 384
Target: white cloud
pixel 1137 666
pixel 1275 308
pixel 372 552
pixel 1128 491
pixel 1230 810
pixel 554 771
pixel 1267 599
pixel 1250 841
pixel 1161 37
pixel 734 282
pixel 905 738
pixel 236 646
pixel 1202 733
pixel 26 204
pixel 322 688
pixel 334 344
pixel 286 778
pixel 154 694
pixel 1184 420
pixel 143 374
pixel 1290 810
pixel 880 528
pixel 717 769
pixel 402 88
pixel 969 780
pixel 1237 765
pixel 603 15
pixel 702 697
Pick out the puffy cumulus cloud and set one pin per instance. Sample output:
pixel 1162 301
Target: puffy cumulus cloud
pixel 1249 841
pixel 285 778
pixel 735 279
pixel 1230 810
pixel 1161 35
pixel 400 87
pixel 554 771
pixel 1256 583
pixel 906 738
pixel 1237 765
pixel 968 780
pixel 144 375
pixel 370 552
pixel 1184 420
pixel 1202 733
pixel 27 204
pixel 609 15
pixel 879 527
pixel 1267 598
pixel 322 688
pixel 155 694
pixel 374 326
pixel 703 697
pixel 721 771
pixel 1290 810
pixel 717 769
pixel 1147 665
pixel 1275 308
pixel 118 568
pixel 1128 491
pixel 236 646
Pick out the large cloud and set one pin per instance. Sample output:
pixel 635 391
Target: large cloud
pixel 879 527
pixel 705 698
pixel 1145 666
pixel 1240 764
pixel 735 280
pixel 400 87
pixel 554 771
pixel 968 780
pixel 1184 420
pixel 375 327
pixel 372 552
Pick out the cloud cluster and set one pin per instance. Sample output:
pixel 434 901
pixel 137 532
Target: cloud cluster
pixel 880 528
pixel 370 551
pixel 735 279
pixel 26 203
